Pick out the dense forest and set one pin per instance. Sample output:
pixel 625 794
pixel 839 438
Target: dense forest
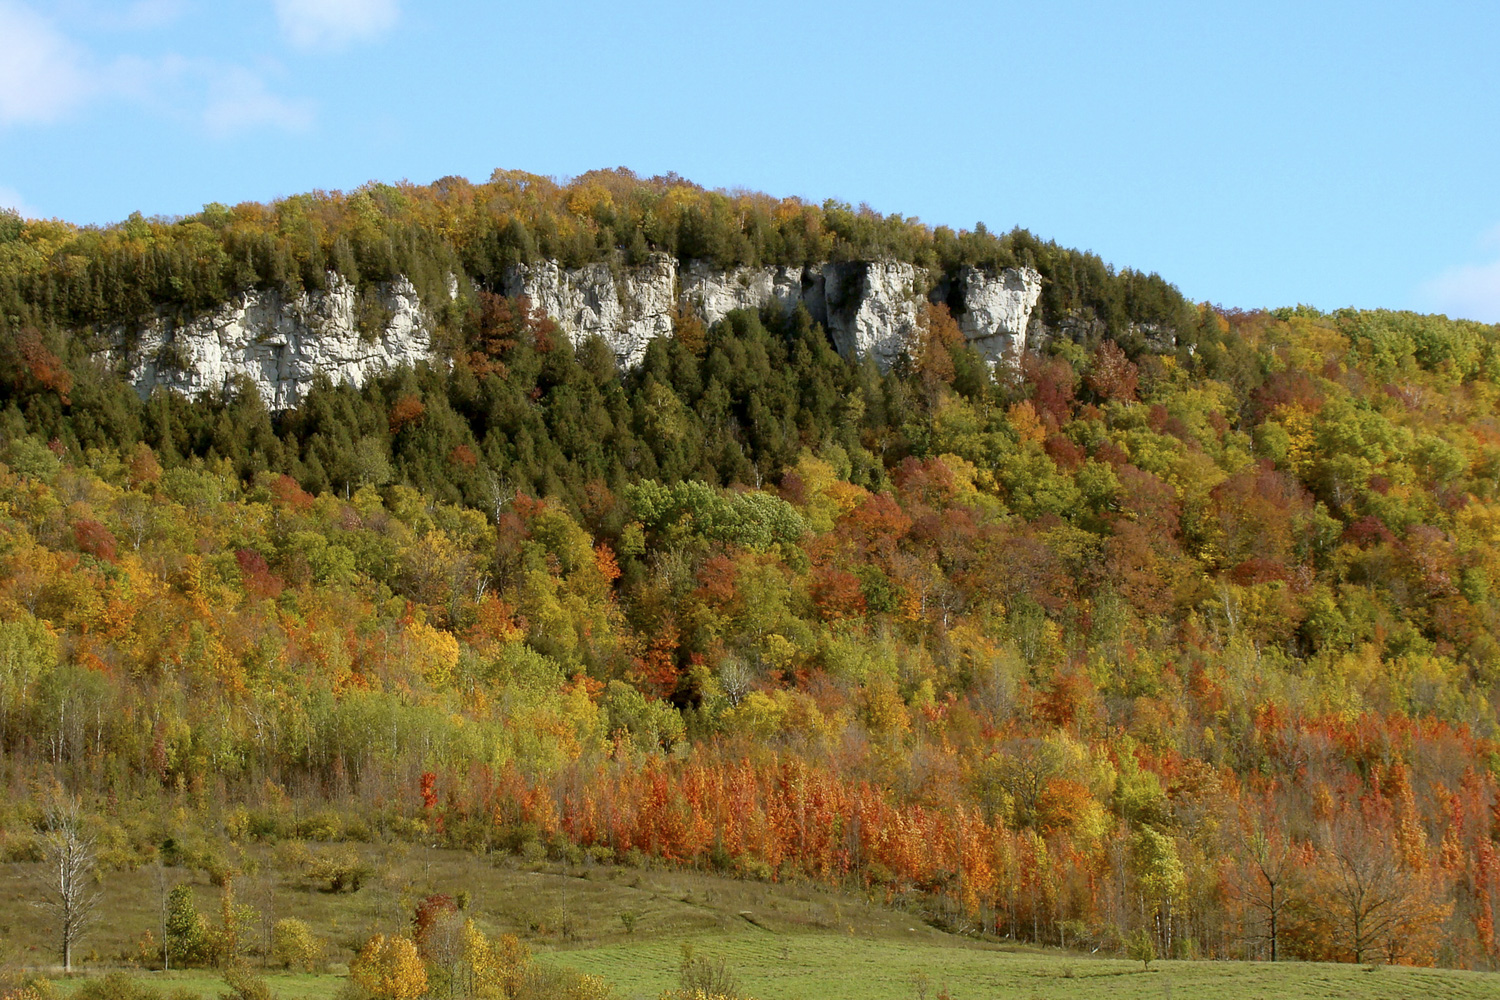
pixel 57 276
pixel 1201 645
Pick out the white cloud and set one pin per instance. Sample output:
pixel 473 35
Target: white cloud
pixel 11 198
pixel 312 24
pixel 239 101
pixel 1468 292
pixel 42 73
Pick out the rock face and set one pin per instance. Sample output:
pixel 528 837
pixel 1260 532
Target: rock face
pixel 282 344
pixel 872 307
pixel 714 294
pixel 589 300
pixel 997 309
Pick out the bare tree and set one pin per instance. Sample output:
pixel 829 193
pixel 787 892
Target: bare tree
pixel 1269 872
pixel 442 944
pixel 1368 896
pixel 69 862
pixel 163 895
pixel 499 491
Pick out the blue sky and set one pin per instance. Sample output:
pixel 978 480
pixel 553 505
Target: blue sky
pixel 1254 154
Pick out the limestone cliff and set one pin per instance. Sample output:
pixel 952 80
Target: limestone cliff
pixel 872 307
pixel 627 311
pixel 282 343
pixel 868 307
pixel 997 309
pixel 714 293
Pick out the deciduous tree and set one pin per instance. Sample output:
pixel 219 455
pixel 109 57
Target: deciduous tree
pixel 70 862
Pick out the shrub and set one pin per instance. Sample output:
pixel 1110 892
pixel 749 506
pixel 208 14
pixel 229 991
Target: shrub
pixel 117 986
pixel 1142 948
pixel 545 983
pixel 27 989
pixel 245 985
pixel 20 847
pixel 295 946
pixel 389 968
pixel 343 869
pixel 701 977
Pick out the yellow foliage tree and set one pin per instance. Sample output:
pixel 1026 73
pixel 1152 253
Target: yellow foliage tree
pixel 431 652
pixel 1028 425
pixel 492 969
pixel 390 968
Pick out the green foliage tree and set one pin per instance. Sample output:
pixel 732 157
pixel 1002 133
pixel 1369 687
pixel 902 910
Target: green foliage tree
pixel 1142 948
pixel 188 941
pixel 294 945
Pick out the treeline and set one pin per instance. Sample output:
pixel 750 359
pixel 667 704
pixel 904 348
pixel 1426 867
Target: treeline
pixel 54 275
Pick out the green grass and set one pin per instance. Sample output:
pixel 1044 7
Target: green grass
pixel 783 942
pixel 829 966
pixel 208 984
pixel 546 905
pixel 835 967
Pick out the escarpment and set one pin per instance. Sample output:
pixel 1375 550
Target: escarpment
pixel 283 343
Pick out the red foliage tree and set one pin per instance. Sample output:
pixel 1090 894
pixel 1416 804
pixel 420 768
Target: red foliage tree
pixel 1112 375
pixel 407 410
pixel 837 594
pixel 95 539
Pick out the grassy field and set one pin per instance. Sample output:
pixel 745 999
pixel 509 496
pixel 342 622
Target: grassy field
pixel 548 905
pixel 208 984
pixel 834 967
pixel 827 966
pixel 782 942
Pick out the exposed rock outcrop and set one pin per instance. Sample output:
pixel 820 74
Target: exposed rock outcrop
pixel 627 308
pixel 281 344
pixel 996 309
pixel 1082 326
pixel 714 293
pixel 872 307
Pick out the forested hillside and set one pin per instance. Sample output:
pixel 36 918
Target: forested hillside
pixel 56 275
pixel 1104 643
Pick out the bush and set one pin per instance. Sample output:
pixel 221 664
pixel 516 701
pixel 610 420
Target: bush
pixel 325 825
pixel 291 855
pixel 295 946
pixel 544 983
pixel 27 989
pixel 343 869
pixel 698 976
pixel 389 968
pixel 117 986
pixel 245 985
pixel 18 847
pixel 1142 948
